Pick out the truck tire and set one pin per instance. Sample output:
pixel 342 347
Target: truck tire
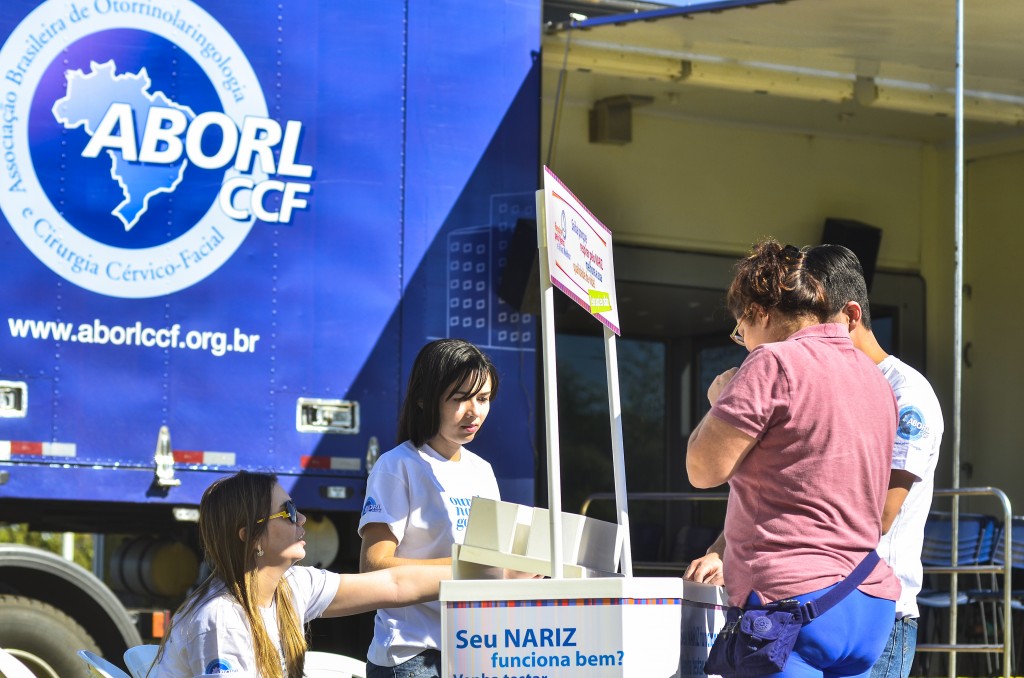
pixel 43 638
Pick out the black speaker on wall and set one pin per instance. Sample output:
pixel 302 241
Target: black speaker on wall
pixel 860 238
pixel 519 285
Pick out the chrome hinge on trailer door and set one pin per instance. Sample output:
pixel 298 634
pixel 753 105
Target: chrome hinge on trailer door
pixel 320 415
pixel 164 459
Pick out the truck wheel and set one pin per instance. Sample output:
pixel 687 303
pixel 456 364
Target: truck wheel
pixel 43 638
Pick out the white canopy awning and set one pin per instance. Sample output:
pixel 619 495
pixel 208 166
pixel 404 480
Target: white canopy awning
pixel 876 66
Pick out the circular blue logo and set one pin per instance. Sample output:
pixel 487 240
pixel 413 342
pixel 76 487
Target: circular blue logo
pixel 123 130
pixel 762 625
pixel 911 424
pixel 219 666
pixel 145 208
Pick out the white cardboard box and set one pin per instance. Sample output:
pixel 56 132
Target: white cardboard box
pixel 505 535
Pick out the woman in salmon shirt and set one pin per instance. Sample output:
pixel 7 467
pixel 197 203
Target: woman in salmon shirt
pixel 802 432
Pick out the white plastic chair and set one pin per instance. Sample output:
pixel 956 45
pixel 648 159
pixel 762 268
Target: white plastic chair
pixel 100 667
pixel 10 667
pixel 138 659
pixel 331 665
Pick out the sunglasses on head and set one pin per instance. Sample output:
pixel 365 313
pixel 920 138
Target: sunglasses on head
pixel 289 512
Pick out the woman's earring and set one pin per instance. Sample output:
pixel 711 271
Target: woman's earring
pixel 259 551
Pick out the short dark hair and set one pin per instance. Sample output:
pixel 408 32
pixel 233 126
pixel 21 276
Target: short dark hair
pixel 440 368
pixel 814 281
pixel 843 277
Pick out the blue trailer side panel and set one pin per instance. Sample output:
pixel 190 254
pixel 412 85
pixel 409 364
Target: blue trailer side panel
pixel 210 213
pixel 481 129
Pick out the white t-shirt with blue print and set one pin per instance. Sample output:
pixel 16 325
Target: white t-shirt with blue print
pixel 916 450
pixel 424 499
pixel 215 639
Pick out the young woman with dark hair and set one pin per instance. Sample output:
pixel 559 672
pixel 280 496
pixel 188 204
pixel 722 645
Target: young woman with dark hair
pixel 418 495
pixel 249 615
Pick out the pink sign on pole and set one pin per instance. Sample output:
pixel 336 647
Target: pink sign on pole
pixel 579 253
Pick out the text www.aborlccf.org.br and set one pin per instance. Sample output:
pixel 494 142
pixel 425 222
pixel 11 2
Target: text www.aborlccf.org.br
pixel 217 343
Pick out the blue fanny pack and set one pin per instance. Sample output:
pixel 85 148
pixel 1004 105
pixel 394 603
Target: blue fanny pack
pixel 757 641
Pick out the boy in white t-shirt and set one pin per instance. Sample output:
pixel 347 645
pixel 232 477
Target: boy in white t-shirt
pixel 915 453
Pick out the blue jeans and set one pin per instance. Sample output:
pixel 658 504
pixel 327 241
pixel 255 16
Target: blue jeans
pixel 898 654
pixel 845 641
pixel 426 664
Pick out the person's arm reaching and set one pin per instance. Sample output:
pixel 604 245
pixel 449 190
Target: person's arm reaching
pixel 392 587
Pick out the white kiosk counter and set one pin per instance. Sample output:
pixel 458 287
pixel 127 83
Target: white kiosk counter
pixel 584 621
pixel 580 626
pixel 633 627
pixel 590 628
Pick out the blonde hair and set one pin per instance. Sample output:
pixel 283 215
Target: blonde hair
pixel 229 506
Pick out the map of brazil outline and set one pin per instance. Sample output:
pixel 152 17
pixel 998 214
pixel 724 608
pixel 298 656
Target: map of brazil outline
pixel 85 105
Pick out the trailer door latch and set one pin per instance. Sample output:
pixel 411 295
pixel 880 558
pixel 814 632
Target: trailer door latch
pixel 319 415
pixel 13 399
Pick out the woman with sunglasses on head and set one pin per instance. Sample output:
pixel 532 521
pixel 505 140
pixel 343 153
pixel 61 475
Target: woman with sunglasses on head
pixel 418 495
pixel 802 432
pixel 249 615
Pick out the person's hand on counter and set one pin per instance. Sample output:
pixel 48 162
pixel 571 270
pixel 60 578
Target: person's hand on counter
pixel 708 568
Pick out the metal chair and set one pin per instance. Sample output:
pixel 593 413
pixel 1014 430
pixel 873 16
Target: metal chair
pixel 331 665
pixel 100 667
pixel 10 667
pixel 976 541
pixel 139 659
pixel 994 593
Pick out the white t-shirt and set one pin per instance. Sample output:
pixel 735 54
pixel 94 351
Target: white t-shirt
pixel 424 499
pixel 916 450
pixel 215 637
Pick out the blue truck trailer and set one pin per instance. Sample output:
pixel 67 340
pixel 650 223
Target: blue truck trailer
pixel 227 228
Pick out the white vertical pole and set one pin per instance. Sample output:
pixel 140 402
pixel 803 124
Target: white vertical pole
pixel 958 238
pixel 547 309
pixel 618 455
pixel 958 288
